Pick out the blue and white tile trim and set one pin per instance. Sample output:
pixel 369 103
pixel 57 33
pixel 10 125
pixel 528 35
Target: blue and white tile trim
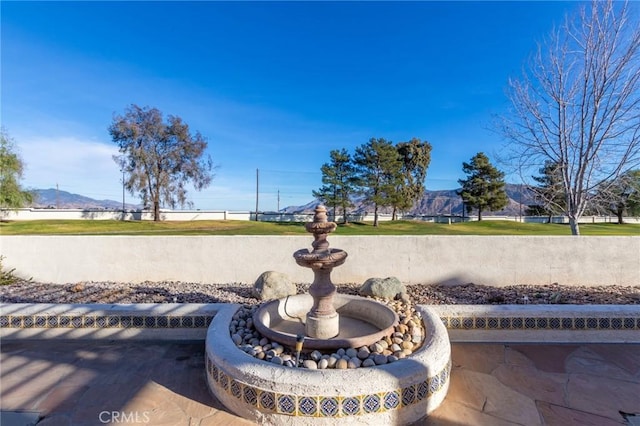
pixel 560 323
pixel 291 404
pixel 541 323
pixel 144 321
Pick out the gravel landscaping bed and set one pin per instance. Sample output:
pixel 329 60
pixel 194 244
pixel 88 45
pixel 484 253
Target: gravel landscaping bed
pixel 183 292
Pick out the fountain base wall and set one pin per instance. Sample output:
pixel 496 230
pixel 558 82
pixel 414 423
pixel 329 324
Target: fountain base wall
pixel 398 393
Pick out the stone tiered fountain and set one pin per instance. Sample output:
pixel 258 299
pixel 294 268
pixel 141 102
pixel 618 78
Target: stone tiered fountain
pixel 322 320
pixel 326 319
pixel 399 392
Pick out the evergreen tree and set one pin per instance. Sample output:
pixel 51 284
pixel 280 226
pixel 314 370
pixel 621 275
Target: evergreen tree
pixel 549 191
pixel 339 183
pixel 623 196
pixel 484 187
pixel 12 195
pixel 379 167
pixel 416 157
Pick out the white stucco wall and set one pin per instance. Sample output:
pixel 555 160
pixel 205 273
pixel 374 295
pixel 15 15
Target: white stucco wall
pixel 489 260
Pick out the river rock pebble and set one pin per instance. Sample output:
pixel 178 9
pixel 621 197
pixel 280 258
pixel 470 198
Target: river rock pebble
pixel 237 339
pixel 380 359
pixel 406 337
pixel 368 363
pixel 331 361
pixel 363 353
pixel 310 364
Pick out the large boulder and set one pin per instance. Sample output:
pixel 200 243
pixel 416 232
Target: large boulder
pixel 388 288
pixel 273 285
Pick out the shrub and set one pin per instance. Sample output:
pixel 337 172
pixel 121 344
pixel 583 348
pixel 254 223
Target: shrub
pixel 7 276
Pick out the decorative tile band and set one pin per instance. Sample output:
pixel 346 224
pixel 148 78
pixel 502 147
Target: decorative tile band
pixel 105 321
pixel 203 321
pixel 540 323
pixel 327 406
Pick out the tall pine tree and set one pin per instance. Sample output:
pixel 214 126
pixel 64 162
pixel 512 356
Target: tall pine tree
pixel 483 189
pixel 339 183
pixel 416 157
pixel 378 166
pixel 549 191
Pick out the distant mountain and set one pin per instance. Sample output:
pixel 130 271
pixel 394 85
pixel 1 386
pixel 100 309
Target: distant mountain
pixel 444 202
pixel 53 198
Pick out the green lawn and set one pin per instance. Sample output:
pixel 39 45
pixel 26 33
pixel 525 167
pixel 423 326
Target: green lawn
pixel 231 227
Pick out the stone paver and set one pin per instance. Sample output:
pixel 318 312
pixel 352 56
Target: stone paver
pixel 535 384
pixel 558 415
pixel 603 396
pixel 93 383
pixel 607 362
pixel 566 384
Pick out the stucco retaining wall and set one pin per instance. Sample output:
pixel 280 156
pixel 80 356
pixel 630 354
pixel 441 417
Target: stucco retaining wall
pixel 489 260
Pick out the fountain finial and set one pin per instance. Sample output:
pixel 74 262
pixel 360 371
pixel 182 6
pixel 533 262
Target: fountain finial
pixel 320 228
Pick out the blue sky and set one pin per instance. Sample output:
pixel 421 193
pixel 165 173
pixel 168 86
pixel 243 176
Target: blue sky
pixel 272 85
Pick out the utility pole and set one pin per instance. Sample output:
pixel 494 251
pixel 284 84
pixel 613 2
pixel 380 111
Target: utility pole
pixel 123 194
pixel 257 190
pixel 278 201
pixel 520 202
pixel 57 197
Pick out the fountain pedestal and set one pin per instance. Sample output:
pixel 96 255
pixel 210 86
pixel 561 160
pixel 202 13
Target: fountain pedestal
pixel 323 322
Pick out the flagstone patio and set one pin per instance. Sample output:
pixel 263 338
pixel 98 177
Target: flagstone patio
pixel 127 382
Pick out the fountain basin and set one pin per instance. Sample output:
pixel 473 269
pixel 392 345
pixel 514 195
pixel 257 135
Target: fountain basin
pixel 361 321
pixel 324 259
pixel 401 392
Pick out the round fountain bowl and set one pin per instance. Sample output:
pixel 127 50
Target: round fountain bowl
pixel 401 392
pixel 362 322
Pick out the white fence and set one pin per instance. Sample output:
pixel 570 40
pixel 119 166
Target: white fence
pixel 190 215
pixel 81 214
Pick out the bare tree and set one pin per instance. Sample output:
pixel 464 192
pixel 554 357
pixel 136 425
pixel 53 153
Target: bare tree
pixel 577 104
